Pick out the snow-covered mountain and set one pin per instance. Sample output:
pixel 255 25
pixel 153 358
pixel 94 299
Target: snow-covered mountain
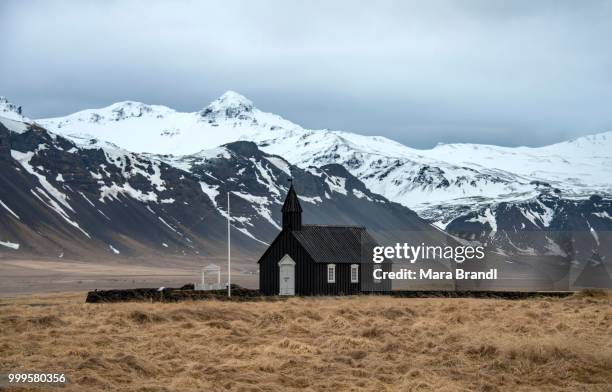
pixel 438 183
pixel 82 197
pixel 158 129
pixel 130 161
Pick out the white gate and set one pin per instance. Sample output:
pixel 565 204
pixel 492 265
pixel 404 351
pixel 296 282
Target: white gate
pixel 286 275
pixel 210 269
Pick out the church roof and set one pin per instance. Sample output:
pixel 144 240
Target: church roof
pixel 335 244
pixel 292 203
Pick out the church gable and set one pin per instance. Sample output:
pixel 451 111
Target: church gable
pixel 284 243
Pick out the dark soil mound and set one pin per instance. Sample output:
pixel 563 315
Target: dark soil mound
pixel 185 293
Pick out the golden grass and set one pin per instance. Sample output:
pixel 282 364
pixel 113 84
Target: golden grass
pixel 314 344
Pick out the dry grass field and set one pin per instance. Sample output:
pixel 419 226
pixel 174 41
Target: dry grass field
pixel 314 344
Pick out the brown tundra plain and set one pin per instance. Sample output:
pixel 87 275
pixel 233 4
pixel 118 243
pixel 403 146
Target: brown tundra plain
pixel 369 343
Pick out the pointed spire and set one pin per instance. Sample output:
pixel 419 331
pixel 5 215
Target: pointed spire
pixel 292 210
pixel 292 202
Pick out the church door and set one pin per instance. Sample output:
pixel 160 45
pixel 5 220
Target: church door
pixel 287 276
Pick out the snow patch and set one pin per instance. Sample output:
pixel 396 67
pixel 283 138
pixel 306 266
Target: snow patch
pixel 270 182
pixel 10 245
pixel 95 176
pixel 52 195
pixel 593 233
pixel 360 195
pixel 486 218
pixel 260 204
pixel 85 197
pixel 56 207
pixel 14 126
pixel 603 214
pixel 336 184
pixel 248 234
pixel 170 227
pixel 24 160
pixel 281 164
pixel 9 210
pixel 103 214
pixel 441 224
pixel 210 191
pixel 111 192
pixel 547 215
pixel 554 248
pixel 312 200
pixel 252 198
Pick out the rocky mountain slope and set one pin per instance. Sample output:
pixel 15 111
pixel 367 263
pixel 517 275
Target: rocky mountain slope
pixel 82 197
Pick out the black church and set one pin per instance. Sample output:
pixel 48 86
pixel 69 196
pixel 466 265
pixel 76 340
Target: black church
pixel 318 259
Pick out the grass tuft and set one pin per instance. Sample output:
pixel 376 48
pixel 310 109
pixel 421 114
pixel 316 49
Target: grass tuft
pixel 369 343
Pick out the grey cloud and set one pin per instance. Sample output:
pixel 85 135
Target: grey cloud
pixel 508 73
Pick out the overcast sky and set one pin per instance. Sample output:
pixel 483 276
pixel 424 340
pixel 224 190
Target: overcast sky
pixel 499 72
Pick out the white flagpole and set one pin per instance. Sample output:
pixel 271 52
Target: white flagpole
pixel 229 255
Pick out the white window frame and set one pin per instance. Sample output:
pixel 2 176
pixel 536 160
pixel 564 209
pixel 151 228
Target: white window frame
pixel 331 268
pixel 355 270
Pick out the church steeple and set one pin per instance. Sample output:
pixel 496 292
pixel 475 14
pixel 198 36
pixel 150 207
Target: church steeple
pixel 292 210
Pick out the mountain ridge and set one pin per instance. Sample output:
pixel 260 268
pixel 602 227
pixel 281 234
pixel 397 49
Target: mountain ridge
pixel 453 186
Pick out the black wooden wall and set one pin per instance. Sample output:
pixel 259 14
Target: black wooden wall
pixel 310 277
